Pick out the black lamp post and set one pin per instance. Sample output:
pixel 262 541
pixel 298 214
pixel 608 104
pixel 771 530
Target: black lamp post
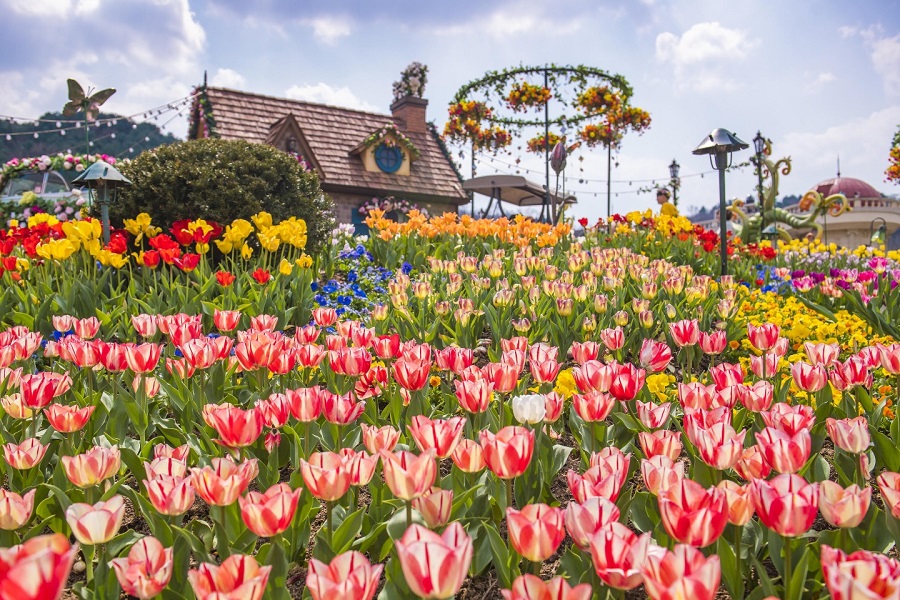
pixel 102 177
pixel 759 145
pixel 673 180
pixel 719 145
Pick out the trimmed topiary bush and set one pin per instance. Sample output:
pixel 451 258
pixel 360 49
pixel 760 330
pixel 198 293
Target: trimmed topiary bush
pixel 222 180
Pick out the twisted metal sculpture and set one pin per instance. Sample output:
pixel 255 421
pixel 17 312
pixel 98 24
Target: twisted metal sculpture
pixel 749 230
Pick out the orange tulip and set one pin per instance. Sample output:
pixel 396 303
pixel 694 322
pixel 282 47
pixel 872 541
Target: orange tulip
pixel 147 569
pixel 739 500
pixel 660 473
pixel 68 419
pixel 468 456
pixel 143 358
pixel 349 575
pixel 409 476
pixel 536 531
pixel 239 577
pixel 92 467
pixel 97 524
pixel 37 569
pixel 15 510
pixel 221 483
pixel 381 438
pixel 435 507
pixel 269 513
pixel 843 507
pixel 325 475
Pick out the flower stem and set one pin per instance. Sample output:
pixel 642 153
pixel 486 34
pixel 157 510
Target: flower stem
pixel 509 494
pixel 408 514
pixel 787 566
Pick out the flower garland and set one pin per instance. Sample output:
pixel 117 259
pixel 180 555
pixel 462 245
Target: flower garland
pixel 389 203
pixel 598 99
pixel 55 162
pixel 203 124
pixel 892 173
pixel 524 95
pixel 380 136
pixel 412 81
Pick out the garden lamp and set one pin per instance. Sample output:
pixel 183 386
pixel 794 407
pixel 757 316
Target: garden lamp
pixel 674 168
pixel 759 145
pixel 719 145
pixel 101 177
pixel 878 236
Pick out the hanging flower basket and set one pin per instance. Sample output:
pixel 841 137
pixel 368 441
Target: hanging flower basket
pixel 524 95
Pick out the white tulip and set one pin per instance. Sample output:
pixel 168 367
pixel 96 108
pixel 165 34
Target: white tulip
pixel 529 409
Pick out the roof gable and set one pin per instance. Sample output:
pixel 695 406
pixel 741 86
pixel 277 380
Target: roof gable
pixel 284 133
pixel 331 134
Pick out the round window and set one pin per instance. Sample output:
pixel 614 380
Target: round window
pixel 388 158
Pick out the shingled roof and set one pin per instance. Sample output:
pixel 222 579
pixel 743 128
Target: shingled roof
pixel 331 134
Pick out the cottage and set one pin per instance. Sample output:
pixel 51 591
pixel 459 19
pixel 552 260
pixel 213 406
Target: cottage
pixel 357 155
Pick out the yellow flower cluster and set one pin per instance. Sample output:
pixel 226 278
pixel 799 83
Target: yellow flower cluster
pixel 661 385
pixel 520 231
pixel 140 227
pixel 290 231
pixel 235 236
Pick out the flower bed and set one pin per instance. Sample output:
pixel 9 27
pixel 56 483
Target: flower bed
pixel 525 412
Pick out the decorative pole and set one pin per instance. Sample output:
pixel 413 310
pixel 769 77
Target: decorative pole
pixel 551 203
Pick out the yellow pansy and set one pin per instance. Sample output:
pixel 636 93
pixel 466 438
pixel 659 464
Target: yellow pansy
pixel 565 384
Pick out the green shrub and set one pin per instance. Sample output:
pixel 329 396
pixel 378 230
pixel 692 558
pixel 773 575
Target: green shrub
pixel 222 180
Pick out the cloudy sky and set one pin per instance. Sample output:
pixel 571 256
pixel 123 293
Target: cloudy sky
pixel 820 78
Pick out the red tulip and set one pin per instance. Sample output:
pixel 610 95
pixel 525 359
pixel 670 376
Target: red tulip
pixel 809 378
pixel 593 406
pixel 144 325
pixel 889 485
pixel 719 445
pixel 474 396
pixel 454 359
pixel 305 403
pixel 532 587
pixel 165 466
pixel 381 438
pixel 618 555
pixel 890 358
pixel 850 435
pixel 553 407
pixel 654 355
pixel 239 577
pixel 97 524
pixel 586 519
pixel 38 569
pixel 387 346
pixel 25 455
pixel 237 428
pixel 435 566
pixel 785 453
pixel 851 373
pixel 740 502
pixel 86 328
pixel 593 376
pixel 763 337
pixel 863 574
pixel 660 473
pixel 757 397
pixel 713 343
pixel 597 481
pixel 843 507
pixel 682 573
pixel 752 464
pixel 822 354
pixel 226 320
pixel 143 358
pixel 326 475
pixel 685 332
pixel 179 368
pixel 341 410
pixel 349 576
pixel 411 375
pixel 786 504
pixel 270 513
pixel 544 371
pixel 699 418
pixel 726 374
pixel 435 507
pixel 39 389
pixel 360 465
pixel 693 515
pixel 170 495
pixel 696 395
pixel 221 483
pixel 409 476
pixel 583 352
pixel 502 375
pixel 92 467
pixel 15 510
pixel 508 453
pixel 789 418
pixel 68 419
pixel 627 381
pixel 613 338
pixel 441 434
pixel 663 442
pixel 536 531
pixel 765 365
pixel 180 453
pixel 653 416
pixel 147 569
pixel 275 410
pixel 63 323
pixel 468 456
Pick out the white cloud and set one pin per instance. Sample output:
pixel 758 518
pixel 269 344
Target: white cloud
pixel 861 143
pixel 228 78
pixel 322 93
pixel 821 80
pixel 328 30
pixel 702 53
pixel 884 52
pixel 57 9
pixel 512 25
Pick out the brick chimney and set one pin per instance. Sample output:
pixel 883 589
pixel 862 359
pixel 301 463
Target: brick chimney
pixel 409 112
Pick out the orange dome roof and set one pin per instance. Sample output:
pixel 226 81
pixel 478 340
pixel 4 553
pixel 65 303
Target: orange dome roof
pixel 850 187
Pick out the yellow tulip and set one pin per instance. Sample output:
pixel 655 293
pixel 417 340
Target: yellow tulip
pixel 246 252
pixel 305 261
pixel 285 268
